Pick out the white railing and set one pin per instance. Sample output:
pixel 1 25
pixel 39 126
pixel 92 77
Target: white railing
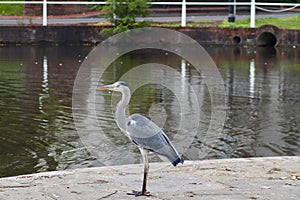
pixel 253 6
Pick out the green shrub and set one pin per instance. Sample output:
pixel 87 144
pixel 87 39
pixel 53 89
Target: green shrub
pixel 122 14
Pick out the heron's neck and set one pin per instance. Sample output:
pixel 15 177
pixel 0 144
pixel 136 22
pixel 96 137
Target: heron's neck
pixel 121 109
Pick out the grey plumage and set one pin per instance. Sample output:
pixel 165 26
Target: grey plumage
pixel 147 135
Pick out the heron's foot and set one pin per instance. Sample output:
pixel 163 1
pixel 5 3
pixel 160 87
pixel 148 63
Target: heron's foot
pixel 139 193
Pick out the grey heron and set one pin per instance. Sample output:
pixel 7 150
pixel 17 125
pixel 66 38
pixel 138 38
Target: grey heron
pixel 142 132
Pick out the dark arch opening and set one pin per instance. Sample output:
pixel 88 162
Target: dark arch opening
pixel 267 39
pixel 236 39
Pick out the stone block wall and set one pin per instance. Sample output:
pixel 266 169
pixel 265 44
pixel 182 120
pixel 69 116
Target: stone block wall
pixel 263 36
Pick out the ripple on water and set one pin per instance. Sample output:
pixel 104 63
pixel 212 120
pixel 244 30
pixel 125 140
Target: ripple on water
pixel 37 131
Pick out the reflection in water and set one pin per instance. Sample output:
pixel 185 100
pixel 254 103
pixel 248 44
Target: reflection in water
pixel 44 84
pixel 259 113
pixel 252 78
pixel 37 131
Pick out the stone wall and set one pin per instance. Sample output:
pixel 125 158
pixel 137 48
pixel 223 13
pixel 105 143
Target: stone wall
pixel 267 35
pixel 90 34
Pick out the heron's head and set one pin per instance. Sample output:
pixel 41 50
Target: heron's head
pixel 117 86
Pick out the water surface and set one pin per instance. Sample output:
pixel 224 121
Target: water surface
pixel 37 132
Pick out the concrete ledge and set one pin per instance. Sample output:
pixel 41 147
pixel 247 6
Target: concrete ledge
pixel 253 178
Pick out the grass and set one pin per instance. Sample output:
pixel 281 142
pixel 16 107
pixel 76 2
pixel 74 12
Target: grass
pixel 11 9
pixel 198 23
pixel 290 23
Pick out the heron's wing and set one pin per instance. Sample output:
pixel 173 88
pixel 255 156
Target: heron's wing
pixel 148 135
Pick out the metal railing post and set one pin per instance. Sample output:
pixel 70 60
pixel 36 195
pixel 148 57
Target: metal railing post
pixel 252 14
pixel 183 13
pixel 44 12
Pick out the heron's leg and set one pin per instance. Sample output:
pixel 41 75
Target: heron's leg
pixel 146 170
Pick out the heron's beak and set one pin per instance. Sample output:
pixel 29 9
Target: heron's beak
pixel 105 87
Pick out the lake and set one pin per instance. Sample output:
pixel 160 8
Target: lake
pixel 38 133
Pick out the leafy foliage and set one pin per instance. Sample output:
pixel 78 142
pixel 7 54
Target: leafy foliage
pixel 122 15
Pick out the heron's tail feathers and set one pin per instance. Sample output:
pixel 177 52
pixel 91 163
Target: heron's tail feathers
pixel 171 154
